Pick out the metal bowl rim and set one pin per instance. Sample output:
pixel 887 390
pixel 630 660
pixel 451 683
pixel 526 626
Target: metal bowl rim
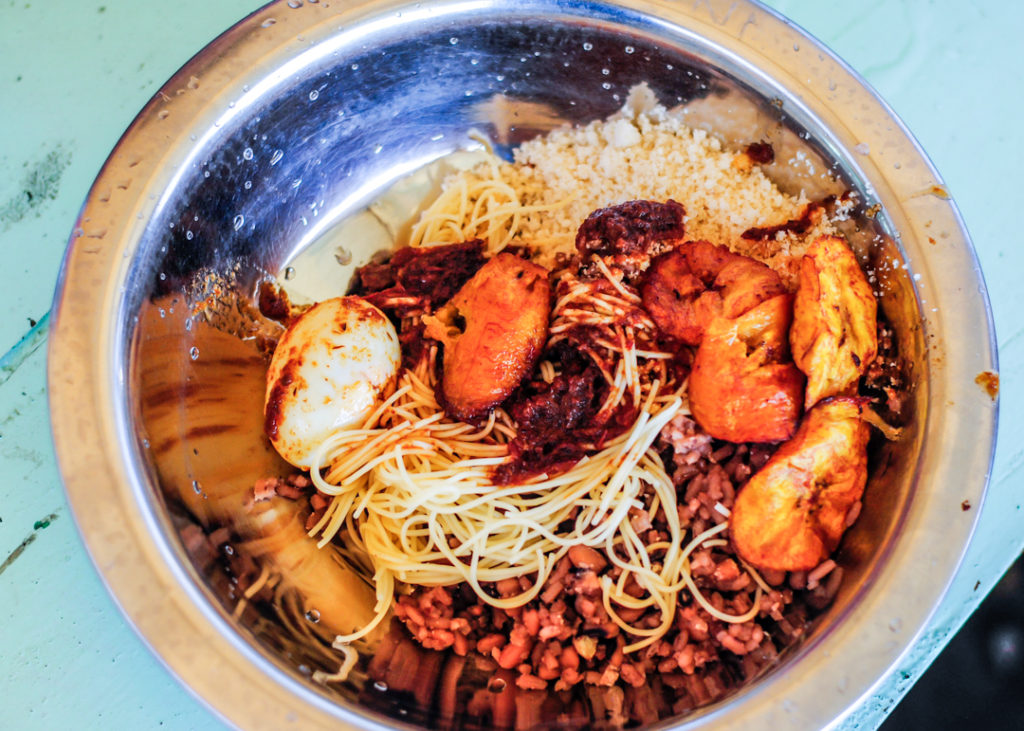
pixel 66 401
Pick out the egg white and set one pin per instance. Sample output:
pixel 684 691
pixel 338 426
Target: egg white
pixel 331 368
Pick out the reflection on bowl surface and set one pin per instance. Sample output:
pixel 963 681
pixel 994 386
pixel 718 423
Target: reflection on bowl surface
pixel 299 161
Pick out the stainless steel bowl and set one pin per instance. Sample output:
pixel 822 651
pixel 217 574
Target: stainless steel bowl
pixel 245 163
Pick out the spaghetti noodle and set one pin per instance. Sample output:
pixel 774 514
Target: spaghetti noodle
pixel 413 490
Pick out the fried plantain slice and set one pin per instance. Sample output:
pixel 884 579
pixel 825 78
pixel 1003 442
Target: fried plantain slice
pixel 792 512
pixel 677 300
pixel 688 287
pixel 834 334
pixel 493 331
pixel 742 387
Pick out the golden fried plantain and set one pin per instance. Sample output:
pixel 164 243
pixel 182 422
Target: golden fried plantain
pixel 688 287
pixel 744 284
pixel 742 386
pixel 493 331
pixel 834 337
pixel 792 513
pixel 677 300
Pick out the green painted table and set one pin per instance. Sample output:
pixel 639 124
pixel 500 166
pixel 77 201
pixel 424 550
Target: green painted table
pixel 72 76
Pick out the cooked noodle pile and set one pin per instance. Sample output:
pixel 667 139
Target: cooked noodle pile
pixel 486 204
pixel 413 489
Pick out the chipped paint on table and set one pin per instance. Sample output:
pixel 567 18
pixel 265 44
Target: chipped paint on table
pixel 74 75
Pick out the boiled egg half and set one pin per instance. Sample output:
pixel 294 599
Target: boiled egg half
pixel 332 367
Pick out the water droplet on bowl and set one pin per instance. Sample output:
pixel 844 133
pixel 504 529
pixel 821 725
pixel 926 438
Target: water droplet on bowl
pixel 189 235
pixel 163 114
pixel 276 157
pixel 247 153
pixel 588 46
pixel 268 22
pixel 629 49
pixel 289 273
pixel 381 686
pixel 453 40
pixel 314 95
pixel 238 221
pixel 313 616
pixel 193 353
pixel 343 256
pixel 247 184
pixel 293 4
